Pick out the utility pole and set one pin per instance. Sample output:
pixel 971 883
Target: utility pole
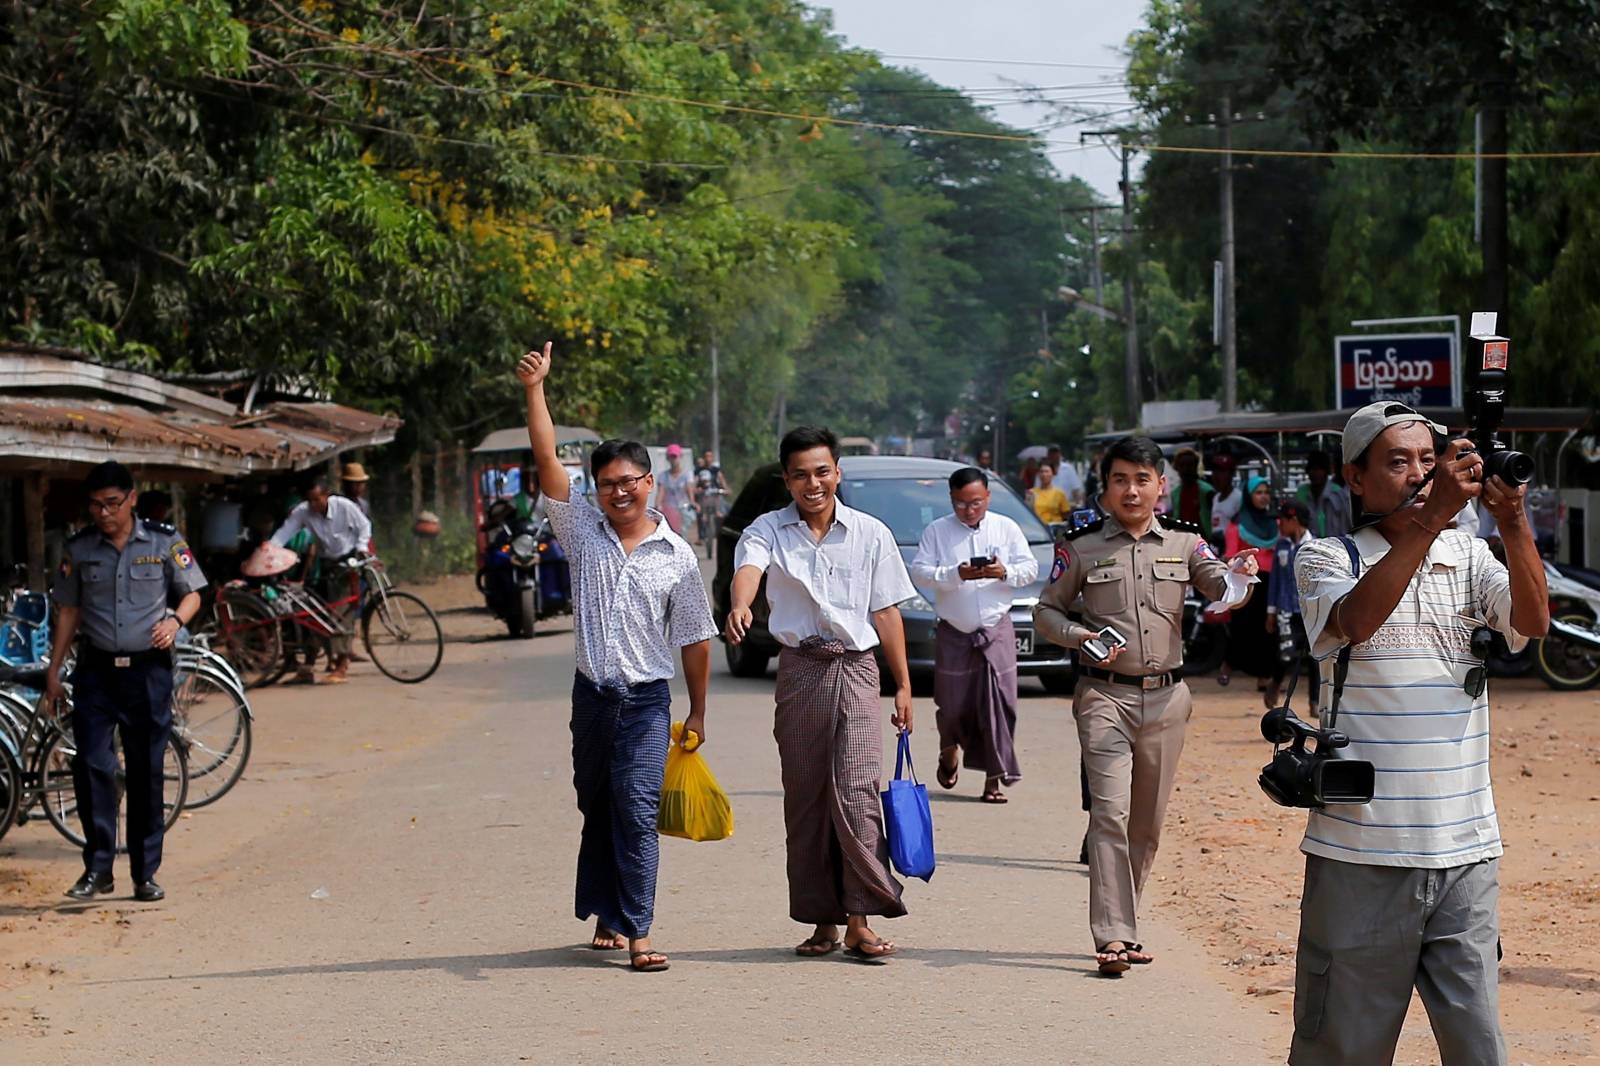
pixel 716 405
pixel 1130 326
pixel 1230 316
pixel 1097 279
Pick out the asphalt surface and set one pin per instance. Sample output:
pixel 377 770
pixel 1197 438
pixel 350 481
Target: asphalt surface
pixel 393 882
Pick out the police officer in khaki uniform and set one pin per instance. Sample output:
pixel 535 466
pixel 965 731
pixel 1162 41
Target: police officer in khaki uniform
pixel 1132 710
pixel 116 590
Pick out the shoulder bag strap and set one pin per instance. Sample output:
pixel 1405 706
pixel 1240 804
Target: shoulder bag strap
pixel 1342 665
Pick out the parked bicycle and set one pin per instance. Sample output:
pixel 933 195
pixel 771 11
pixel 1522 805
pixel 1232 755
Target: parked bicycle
pixel 36 753
pixel 267 625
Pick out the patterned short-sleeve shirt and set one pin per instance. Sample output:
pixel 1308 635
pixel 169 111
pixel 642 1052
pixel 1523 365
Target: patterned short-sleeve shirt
pixel 630 611
pixel 1404 705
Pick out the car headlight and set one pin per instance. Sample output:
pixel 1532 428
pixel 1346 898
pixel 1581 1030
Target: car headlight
pixel 918 602
pixel 523 545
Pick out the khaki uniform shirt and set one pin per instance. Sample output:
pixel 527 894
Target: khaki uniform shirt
pixel 1134 585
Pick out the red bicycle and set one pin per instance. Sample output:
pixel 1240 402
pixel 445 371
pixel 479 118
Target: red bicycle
pixel 267 626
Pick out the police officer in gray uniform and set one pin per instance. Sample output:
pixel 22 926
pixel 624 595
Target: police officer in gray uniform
pixel 116 590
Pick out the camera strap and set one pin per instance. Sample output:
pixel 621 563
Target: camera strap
pixel 1341 665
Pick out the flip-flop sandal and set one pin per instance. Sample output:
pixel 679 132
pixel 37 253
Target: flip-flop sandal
pixel 1114 967
pixel 827 946
pixel 995 797
pixel 858 954
pixel 649 967
pixel 947 780
pixel 1138 949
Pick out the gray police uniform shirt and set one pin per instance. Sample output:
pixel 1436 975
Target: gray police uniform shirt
pixel 122 595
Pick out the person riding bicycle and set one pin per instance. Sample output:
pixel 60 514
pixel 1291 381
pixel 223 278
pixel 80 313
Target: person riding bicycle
pixel 342 530
pixel 711 493
pixel 675 491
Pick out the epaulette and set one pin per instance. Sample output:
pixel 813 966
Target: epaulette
pixel 159 527
pixel 1090 527
pixel 1169 522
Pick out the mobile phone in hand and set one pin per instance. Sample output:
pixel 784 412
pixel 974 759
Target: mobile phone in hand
pixel 978 562
pixel 1113 638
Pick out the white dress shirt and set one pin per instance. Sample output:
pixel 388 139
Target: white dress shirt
pixel 629 609
pixel 342 530
pixel 827 588
pixel 947 543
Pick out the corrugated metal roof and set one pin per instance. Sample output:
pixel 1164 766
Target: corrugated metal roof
pixel 42 425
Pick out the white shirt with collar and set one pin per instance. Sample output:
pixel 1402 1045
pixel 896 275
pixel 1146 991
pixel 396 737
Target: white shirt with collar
pixel 630 610
pixel 828 588
pixel 344 529
pixel 1404 706
pixel 947 543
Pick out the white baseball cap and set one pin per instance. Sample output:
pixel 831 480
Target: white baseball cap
pixel 1365 425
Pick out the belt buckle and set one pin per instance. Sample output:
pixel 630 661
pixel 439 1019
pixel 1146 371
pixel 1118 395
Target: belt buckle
pixel 121 660
pixel 1150 681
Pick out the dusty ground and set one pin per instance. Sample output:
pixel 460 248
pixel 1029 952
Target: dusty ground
pixel 437 821
pixel 1229 871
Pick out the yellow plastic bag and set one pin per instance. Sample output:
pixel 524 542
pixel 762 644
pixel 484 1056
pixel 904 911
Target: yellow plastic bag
pixel 693 805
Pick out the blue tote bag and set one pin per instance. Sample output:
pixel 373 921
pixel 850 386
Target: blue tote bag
pixel 907 819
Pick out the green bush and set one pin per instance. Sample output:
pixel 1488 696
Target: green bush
pixel 413 558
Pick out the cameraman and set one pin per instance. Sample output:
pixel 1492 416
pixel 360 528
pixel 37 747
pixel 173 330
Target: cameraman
pixel 1403 891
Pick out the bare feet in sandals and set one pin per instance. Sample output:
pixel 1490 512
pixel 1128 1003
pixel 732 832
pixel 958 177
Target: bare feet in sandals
pixel 992 793
pixel 949 766
pixel 1112 959
pixel 1138 956
pixel 824 941
pixel 645 959
pixel 862 944
pixel 606 940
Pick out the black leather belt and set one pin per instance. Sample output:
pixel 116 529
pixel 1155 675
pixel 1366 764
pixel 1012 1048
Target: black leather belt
pixel 1146 682
pixel 99 658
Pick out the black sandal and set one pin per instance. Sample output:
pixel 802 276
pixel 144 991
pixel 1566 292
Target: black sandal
pixel 857 952
pixel 1112 967
pixel 947 778
pixel 649 967
pixel 1138 949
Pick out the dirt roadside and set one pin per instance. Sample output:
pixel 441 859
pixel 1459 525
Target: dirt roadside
pixel 1230 870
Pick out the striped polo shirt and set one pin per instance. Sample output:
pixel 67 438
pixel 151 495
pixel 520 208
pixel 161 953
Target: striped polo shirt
pixel 1404 707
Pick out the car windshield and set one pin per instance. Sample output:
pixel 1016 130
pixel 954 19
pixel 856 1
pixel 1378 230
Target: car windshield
pixel 907 505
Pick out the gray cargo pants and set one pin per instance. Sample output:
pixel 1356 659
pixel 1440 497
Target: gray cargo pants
pixel 1368 934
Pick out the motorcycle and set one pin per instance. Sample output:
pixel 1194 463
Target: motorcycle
pixel 509 579
pixel 1568 657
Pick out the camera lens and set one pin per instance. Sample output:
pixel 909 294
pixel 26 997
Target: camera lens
pixel 1514 468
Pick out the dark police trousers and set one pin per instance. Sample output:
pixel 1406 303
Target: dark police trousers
pixel 136 701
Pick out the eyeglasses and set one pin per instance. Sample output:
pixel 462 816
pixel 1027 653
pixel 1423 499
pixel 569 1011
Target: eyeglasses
pixel 623 485
pixel 1478 677
pixel 106 506
pixel 968 505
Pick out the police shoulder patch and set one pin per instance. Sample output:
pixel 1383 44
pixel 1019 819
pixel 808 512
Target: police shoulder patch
pixel 1062 561
pixel 1087 527
pixel 1169 521
pixel 182 556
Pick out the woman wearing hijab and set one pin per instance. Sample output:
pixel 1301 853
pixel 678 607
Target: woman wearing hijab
pixel 1250 647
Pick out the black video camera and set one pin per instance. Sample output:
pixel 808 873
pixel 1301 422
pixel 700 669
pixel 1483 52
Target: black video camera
pixel 1486 406
pixel 1299 778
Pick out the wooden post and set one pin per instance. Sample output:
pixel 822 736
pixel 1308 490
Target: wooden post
pixel 416 484
pixel 34 486
pixel 441 497
pixel 461 478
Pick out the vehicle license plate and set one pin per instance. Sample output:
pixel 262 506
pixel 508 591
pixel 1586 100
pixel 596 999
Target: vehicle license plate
pixel 1024 641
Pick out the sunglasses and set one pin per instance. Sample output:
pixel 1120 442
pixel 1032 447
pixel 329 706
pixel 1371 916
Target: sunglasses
pixel 1478 677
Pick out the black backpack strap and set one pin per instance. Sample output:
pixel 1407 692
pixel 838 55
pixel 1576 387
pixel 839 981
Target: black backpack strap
pixel 1342 664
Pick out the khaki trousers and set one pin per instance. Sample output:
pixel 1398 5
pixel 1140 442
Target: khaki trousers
pixel 1131 741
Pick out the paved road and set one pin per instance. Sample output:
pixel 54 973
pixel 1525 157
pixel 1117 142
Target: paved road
pixel 440 822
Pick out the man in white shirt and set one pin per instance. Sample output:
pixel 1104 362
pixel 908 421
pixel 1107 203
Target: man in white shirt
pixel 637 593
pixel 342 528
pixel 1403 891
pixel 834 580
pixel 975 649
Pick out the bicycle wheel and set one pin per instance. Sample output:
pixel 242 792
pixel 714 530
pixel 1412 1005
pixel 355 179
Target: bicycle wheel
pixel 60 798
pixel 402 636
pixel 211 719
pixel 10 788
pixel 249 634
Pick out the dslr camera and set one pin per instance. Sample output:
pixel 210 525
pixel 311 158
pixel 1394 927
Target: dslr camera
pixel 1488 380
pixel 1299 778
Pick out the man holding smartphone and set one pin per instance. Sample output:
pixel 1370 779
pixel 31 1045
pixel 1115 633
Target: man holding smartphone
pixel 1132 708
pixel 975 561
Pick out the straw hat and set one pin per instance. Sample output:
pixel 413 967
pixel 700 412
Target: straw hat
pixel 354 472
